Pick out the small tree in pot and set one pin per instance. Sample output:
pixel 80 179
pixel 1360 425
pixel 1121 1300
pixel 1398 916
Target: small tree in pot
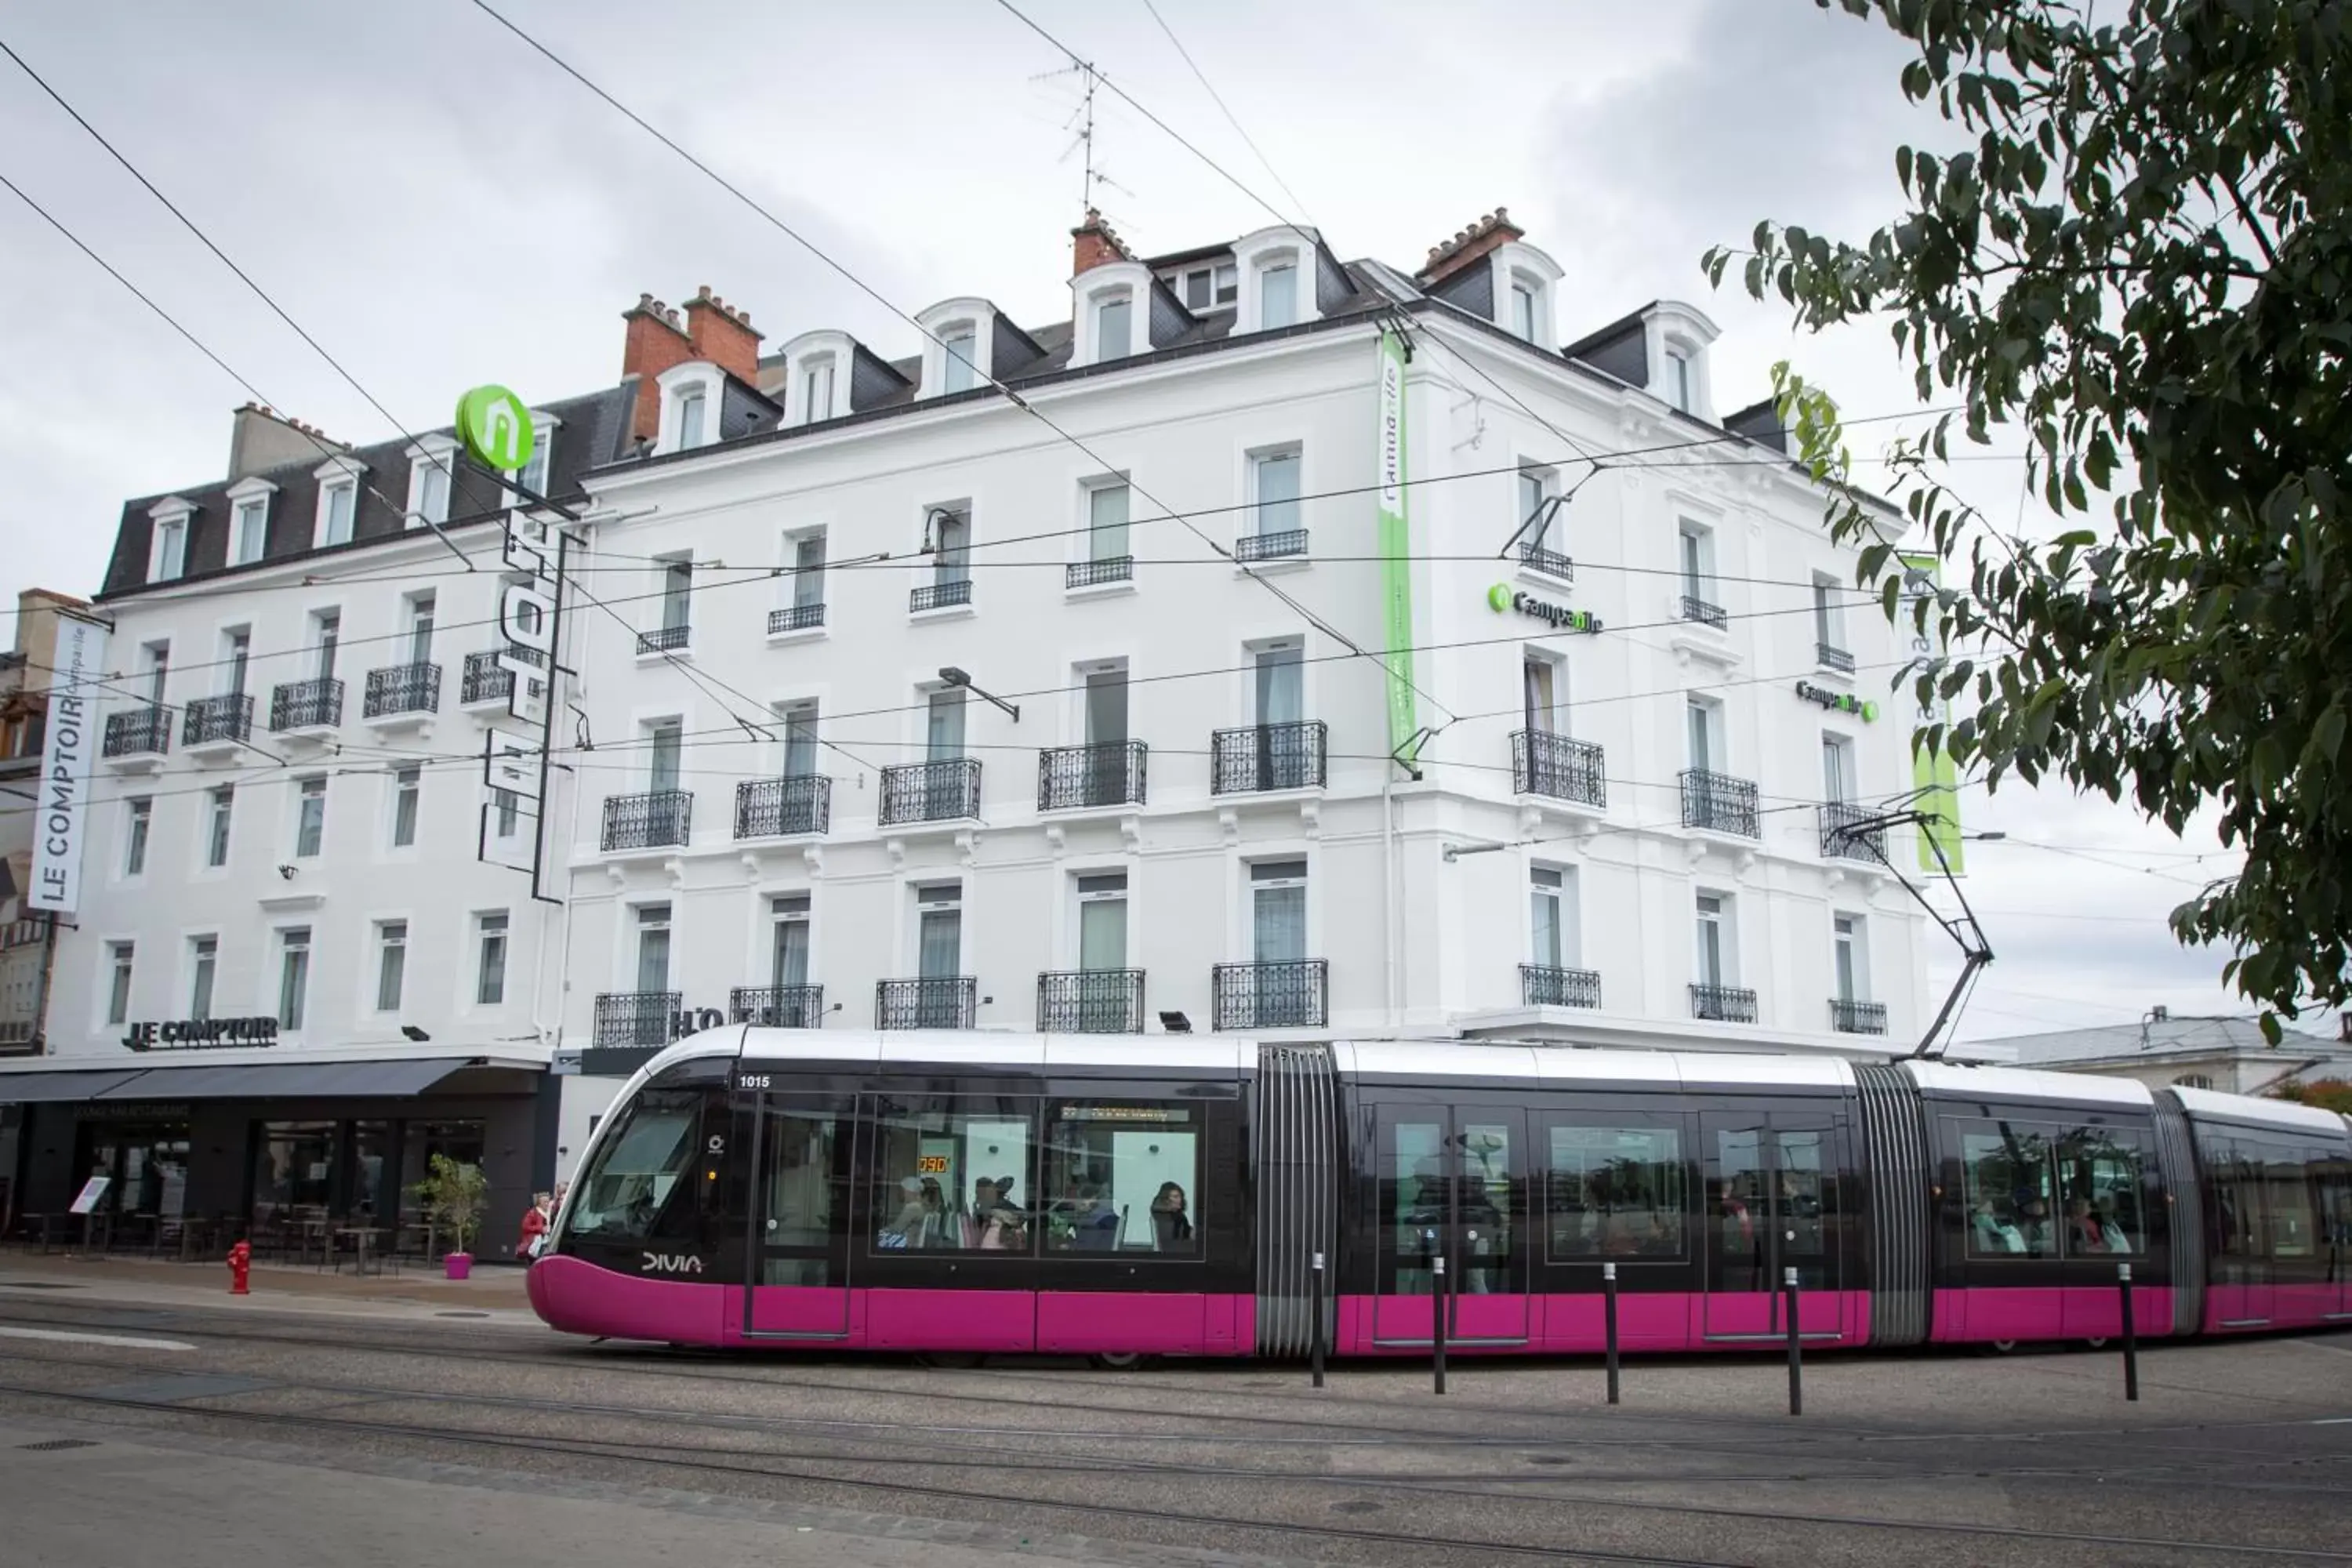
pixel 453 1195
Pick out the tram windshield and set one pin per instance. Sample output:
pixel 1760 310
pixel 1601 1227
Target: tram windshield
pixel 637 1169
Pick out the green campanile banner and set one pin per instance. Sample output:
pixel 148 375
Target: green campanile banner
pixel 1934 774
pixel 1396 553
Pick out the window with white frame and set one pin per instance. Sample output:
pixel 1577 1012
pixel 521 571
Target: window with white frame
pixel 220 804
pixel 950 530
pixel 1107 513
pixel 1114 326
pixel 800 738
pixel 1696 542
pixel 119 958
pixel 1277 292
pixel 943 724
pixel 203 960
pixel 429 467
pixel 1275 492
pixel 677 601
pixel 816 388
pixel 1681 378
pixel 1278 681
pixel 491 959
pixel 407 787
pixel 805 554
pixel 653 947
pixel 1715 962
pixel 959 358
pixel 167 544
pixel 691 408
pixel 339 500
pixel 788 939
pixel 391 963
pixel 1829 617
pixel 1524 317
pixel 1538 519
pixel 1850 957
pixel 140 815
pixel 293 977
pixel 667 737
pixel 1555 941
pixel 1278 911
pixel 533 474
pixel 155 668
pixel 938 932
pixel 506 814
pixel 1543 692
pixel 1703 731
pixel 421 610
pixel 1102 921
pixel 248 535
pixel 236 655
pixel 1838 784
pixel 326 641
pixel 310 818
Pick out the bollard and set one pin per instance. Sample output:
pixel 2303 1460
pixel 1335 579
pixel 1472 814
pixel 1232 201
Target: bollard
pixel 1315 1332
pixel 1437 1317
pixel 1796 1347
pixel 240 1266
pixel 1609 1320
pixel 2131 1334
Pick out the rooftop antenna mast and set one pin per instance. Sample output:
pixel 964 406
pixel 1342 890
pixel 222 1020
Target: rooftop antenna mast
pixel 1081 125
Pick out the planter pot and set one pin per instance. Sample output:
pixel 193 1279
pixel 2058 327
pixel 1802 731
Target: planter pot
pixel 459 1265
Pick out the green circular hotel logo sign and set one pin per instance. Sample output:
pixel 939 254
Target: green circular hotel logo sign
pixel 1499 596
pixel 494 426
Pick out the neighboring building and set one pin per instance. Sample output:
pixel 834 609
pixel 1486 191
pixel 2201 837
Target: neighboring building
pixel 806 806
pixel 2228 1055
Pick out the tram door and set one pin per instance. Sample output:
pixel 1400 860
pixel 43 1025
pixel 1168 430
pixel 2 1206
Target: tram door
pixel 797 1258
pixel 1452 1183
pixel 1773 1203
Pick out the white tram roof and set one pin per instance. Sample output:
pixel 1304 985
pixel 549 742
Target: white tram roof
pixel 2025 1083
pixel 2270 1113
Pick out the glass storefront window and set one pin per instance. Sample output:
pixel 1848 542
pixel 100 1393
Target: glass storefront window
pixel 146 1164
pixel 372 1196
pixel 293 1168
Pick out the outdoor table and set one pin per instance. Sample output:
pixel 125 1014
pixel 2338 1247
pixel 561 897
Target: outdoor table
pixel 362 1240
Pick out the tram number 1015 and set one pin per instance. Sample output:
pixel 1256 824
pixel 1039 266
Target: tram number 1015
pixel 755 1081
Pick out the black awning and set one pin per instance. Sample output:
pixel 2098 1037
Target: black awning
pixel 285 1080
pixel 48 1088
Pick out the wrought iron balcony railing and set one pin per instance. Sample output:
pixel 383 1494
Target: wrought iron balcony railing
pixel 1550 562
pixel 779 808
pixel 1094 574
pixel 402 689
pixel 777 1006
pixel 1286 994
pixel 139 731
pixel 1830 657
pixel 795 618
pixel 1269 757
pixel 939 595
pixel 1091 1002
pixel 1108 773
pixel 209 721
pixel 1723 1004
pixel 1705 614
pixel 1270 546
pixel 314 704
pixel 664 639
pixel 1841 840
pixel 934 1002
pixel 638 1017
pixel 1858 1018
pixel 1548 764
pixel 1719 803
pixel 486 680
pixel 648 821
pixel 1542 986
pixel 930 792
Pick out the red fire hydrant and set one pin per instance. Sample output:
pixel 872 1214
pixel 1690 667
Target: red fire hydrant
pixel 240 1266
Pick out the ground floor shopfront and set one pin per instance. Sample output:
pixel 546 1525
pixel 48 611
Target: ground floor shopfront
pixel 290 1155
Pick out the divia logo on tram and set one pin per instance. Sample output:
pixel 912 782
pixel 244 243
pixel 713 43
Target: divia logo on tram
pixel 670 1263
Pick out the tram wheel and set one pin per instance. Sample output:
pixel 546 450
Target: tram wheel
pixel 2002 1347
pixel 2095 1343
pixel 1121 1360
pixel 953 1361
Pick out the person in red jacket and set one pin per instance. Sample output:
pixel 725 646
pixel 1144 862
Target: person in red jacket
pixel 534 1226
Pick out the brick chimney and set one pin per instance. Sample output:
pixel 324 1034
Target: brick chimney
pixel 1094 244
pixel 264 438
pixel 656 342
pixel 1444 260
pixel 723 335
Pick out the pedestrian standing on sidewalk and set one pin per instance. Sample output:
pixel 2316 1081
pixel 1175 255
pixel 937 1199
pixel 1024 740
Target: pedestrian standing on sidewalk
pixel 535 1221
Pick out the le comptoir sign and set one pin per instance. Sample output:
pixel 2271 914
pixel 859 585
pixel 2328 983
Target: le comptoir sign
pixel 1838 701
pixel 199 1033
pixel 1503 599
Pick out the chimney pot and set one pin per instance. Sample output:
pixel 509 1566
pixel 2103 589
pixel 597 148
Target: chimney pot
pixel 702 291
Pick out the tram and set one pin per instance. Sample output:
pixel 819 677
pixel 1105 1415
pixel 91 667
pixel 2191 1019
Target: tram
pixel 1131 1196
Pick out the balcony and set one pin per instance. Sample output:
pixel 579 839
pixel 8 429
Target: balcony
pixel 138 732
pixel 486 680
pixel 1110 773
pixel 938 596
pixel 1723 1004
pixel 664 639
pixel 314 704
pixel 1287 543
pixel 934 1001
pixel 1269 757
pixel 1096 573
pixel 777 1006
pixel 1705 614
pixel 1541 986
pixel 1830 657
pixel 1858 1018
pixel 1550 562
pixel 945 791
pixel 1719 803
pixel 795 618
pixel 1090 1002
pixel 217 721
pixel 638 1017
pixel 651 821
pixel 402 690
pixel 1843 840
pixel 1548 764
pixel 1287 994
pixel 780 809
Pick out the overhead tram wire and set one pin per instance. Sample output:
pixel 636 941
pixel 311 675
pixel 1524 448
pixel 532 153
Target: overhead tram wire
pixel 1309 615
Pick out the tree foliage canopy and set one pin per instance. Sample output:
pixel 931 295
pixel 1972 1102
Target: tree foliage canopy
pixel 2143 261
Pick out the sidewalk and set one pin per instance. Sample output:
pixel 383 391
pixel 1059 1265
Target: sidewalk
pixel 495 1291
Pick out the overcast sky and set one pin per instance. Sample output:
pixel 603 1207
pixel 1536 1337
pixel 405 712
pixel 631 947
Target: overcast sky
pixel 441 207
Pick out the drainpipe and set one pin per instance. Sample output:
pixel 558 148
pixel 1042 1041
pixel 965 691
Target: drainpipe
pixel 1392 905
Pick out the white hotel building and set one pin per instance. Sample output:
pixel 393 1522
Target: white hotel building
pixel 812 587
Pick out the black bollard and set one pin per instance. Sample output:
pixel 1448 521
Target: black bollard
pixel 1609 1320
pixel 1796 1347
pixel 1316 1331
pixel 2131 1334
pixel 1437 1318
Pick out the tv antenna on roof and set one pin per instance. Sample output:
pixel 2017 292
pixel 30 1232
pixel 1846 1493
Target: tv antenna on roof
pixel 1081 124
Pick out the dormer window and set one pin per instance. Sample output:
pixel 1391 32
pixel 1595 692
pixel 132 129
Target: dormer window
pixel 339 500
pixel 691 412
pixel 959 352
pixel 816 389
pixel 960 347
pixel 691 394
pixel 430 463
pixel 248 520
pixel 1205 287
pixel 1114 327
pixel 167 541
pixel 1678 378
pixel 1523 310
pixel 1276 267
pixel 533 476
pixel 1278 294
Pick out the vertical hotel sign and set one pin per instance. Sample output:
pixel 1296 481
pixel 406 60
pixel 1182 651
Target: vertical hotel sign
pixel 1933 773
pixel 61 814
pixel 1396 553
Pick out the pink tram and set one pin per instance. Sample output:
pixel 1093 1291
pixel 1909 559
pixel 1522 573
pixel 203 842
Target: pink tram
pixel 1131 1196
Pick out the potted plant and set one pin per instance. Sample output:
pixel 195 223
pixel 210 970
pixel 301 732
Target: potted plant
pixel 453 1195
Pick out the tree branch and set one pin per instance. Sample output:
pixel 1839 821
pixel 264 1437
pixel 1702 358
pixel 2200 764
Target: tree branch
pixel 2252 222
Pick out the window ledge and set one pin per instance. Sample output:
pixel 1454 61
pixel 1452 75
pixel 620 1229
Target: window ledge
pixel 1691 639
pixel 944 612
pixel 660 655
pixel 292 902
pixel 806 634
pixel 137 762
pixel 1120 589
pixel 1273 565
pixel 1542 579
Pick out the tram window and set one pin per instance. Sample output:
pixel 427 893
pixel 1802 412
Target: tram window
pixel 954 1174
pixel 2099 1171
pixel 2233 1169
pixel 1613 1191
pixel 2007 1170
pixel 2294 1229
pixel 627 1190
pixel 1122 1176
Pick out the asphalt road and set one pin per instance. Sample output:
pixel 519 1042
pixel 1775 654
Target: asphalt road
pixel 207 1437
